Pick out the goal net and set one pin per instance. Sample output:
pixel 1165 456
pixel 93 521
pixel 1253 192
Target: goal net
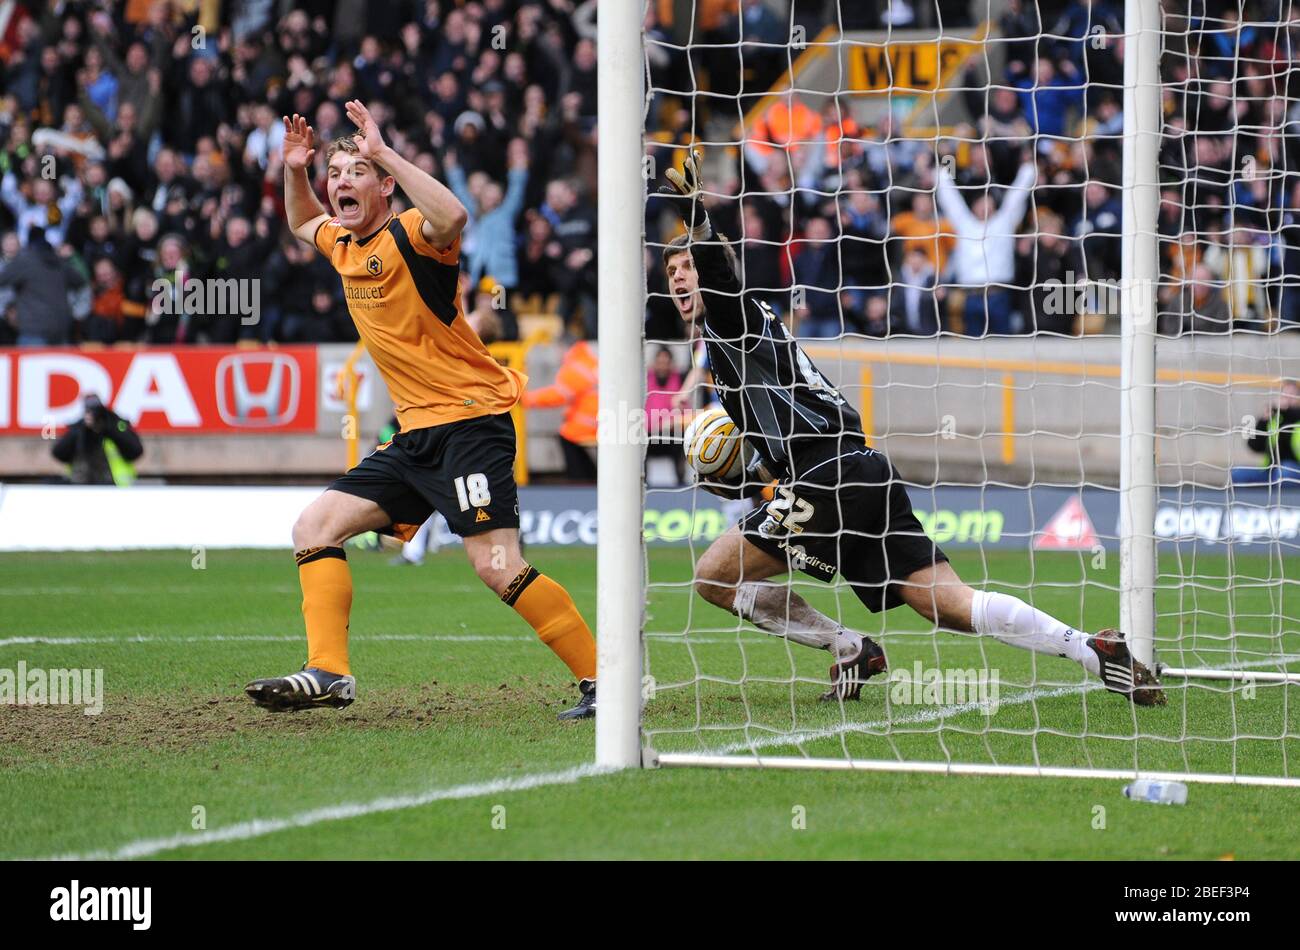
pixel 1048 252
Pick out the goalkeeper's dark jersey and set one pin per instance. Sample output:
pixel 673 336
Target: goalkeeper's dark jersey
pixel 766 382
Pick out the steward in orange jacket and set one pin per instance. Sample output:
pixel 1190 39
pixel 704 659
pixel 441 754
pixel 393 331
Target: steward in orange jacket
pixel 575 388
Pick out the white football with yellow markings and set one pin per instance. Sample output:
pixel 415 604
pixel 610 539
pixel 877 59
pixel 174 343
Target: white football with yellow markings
pixel 715 446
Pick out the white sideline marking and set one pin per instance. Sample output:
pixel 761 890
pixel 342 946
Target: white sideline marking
pixel 38 591
pixel 258 827
pixel 288 638
pixel 277 638
pixel 943 712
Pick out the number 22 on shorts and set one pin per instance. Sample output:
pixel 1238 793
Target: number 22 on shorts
pixel 787 510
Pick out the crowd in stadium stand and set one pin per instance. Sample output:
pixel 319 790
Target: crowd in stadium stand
pixel 859 230
pixel 139 149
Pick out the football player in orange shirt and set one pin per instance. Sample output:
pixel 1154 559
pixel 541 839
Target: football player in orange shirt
pixel 455 452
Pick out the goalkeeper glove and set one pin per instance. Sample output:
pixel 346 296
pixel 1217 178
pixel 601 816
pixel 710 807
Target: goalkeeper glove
pixel 754 482
pixel 683 193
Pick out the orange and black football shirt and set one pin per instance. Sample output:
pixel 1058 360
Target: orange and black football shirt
pixel 401 292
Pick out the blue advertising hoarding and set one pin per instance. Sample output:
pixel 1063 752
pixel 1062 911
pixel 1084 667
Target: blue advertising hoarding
pixel 1046 518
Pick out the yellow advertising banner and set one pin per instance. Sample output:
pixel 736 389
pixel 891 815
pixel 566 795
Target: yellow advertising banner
pixel 914 67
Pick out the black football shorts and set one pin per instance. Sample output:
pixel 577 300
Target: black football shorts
pixel 849 516
pixel 464 470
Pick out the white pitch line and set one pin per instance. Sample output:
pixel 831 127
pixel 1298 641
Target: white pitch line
pixel 257 828
pixel 928 715
pixel 290 638
pixel 958 643
pixel 943 712
pixel 278 638
pixel 244 830
pixel 127 590
pixel 260 588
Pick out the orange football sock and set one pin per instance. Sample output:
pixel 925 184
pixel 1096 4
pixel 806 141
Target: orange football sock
pixel 326 603
pixel 550 611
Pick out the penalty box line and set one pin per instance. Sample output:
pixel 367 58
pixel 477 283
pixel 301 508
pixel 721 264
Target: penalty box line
pixel 259 827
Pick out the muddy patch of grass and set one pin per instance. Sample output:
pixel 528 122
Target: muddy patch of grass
pixel 181 721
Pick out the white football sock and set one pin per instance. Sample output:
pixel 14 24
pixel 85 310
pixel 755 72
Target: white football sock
pixel 773 609
pixel 415 549
pixel 1017 624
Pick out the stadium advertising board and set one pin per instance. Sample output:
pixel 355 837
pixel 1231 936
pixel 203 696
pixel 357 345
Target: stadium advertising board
pixel 921 67
pixel 1250 518
pixel 46 517
pixel 1044 519
pixel 183 390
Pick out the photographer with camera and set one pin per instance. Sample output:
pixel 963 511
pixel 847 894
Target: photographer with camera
pixel 1277 437
pixel 100 448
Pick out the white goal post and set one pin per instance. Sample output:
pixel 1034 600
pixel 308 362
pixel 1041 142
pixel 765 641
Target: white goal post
pixel 1138 279
pixel 620 575
pixel 1208 603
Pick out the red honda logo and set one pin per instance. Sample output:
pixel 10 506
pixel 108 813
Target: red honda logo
pixel 257 390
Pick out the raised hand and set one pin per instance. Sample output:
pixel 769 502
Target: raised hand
pixel 299 138
pixel 517 154
pixel 369 142
pixel 683 188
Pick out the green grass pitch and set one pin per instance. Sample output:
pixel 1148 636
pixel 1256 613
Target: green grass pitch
pixel 452 749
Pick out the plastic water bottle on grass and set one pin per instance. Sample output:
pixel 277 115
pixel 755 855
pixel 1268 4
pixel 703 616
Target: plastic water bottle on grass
pixel 1162 793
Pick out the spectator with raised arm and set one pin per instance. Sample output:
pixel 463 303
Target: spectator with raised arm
pixel 113 115
pixel 37 204
pixel 983 261
pixel 491 238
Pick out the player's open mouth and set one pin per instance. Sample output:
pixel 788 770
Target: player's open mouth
pixel 686 302
pixel 348 205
